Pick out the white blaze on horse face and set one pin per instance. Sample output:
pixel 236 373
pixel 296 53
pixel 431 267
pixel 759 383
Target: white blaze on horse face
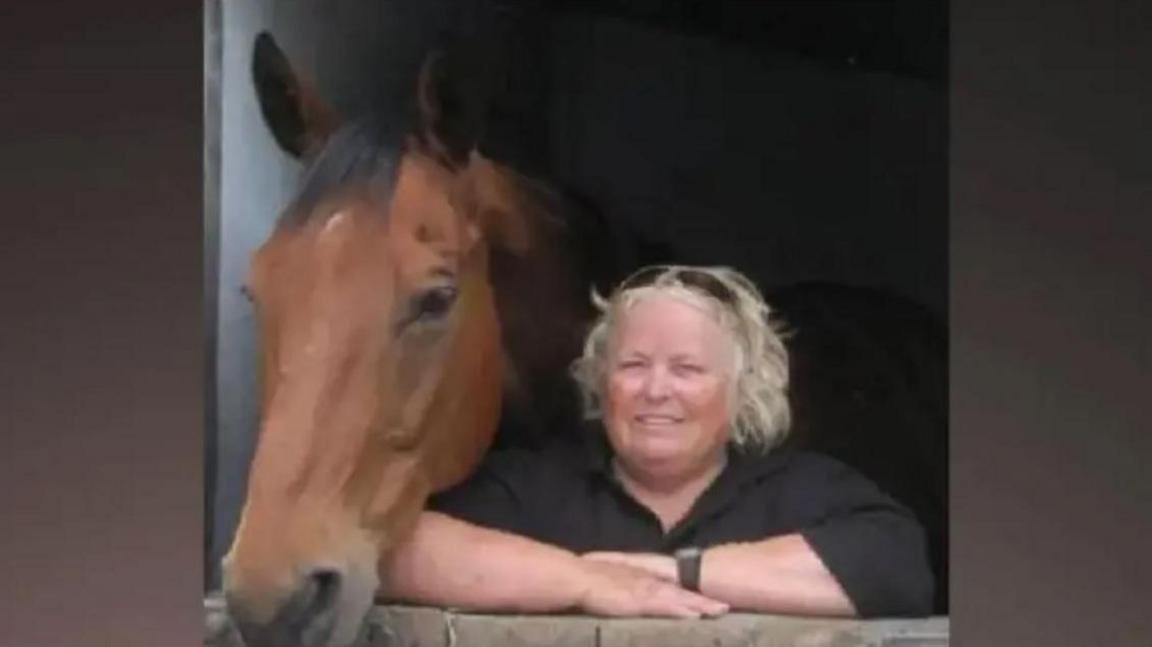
pixel 335 221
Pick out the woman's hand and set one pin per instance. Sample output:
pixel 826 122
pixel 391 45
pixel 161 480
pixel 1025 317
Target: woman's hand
pixel 614 588
pixel 661 566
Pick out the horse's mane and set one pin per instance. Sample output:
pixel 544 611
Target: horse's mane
pixel 363 152
pixel 543 292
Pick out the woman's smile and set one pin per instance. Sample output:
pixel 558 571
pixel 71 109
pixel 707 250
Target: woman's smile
pixel 657 419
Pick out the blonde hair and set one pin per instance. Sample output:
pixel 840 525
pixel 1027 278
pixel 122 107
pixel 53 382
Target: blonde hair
pixel 761 417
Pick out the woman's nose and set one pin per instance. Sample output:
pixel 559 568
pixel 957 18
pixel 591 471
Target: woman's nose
pixel 655 384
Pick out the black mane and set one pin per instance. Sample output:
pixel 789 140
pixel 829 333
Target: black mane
pixel 364 152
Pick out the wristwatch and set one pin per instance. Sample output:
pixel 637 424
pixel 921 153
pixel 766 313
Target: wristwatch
pixel 688 567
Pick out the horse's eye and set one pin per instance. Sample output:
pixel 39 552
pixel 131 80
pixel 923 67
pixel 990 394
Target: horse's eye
pixel 433 304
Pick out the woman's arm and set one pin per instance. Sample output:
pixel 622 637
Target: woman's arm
pixel 869 564
pixel 450 562
pixel 777 575
pixel 781 575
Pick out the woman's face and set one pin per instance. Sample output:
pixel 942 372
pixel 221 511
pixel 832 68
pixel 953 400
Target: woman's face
pixel 667 396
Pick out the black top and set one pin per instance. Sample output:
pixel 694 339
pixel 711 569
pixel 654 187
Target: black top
pixel 568 496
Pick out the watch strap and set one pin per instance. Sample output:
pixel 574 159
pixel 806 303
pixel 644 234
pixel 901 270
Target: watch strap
pixel 688 567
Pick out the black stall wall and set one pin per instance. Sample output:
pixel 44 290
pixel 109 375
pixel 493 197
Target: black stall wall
pixel 791 169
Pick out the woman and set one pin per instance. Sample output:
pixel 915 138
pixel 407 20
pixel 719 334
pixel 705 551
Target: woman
pixel 680 502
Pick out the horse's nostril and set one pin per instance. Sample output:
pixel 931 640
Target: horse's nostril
pixel 324 586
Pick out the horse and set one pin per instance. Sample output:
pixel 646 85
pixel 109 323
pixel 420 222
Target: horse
pixel 398 303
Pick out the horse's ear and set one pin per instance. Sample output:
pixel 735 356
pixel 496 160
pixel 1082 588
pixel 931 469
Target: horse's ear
pixel 498 199
pixel 300 121
pixel 430 109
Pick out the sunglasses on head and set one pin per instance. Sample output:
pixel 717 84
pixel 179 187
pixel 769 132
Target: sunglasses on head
pixel 687 276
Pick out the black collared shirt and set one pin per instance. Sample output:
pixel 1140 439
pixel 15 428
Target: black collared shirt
pixel 568 496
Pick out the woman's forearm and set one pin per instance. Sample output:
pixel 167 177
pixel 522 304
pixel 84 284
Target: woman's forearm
pixel 778 575
pixel 448 562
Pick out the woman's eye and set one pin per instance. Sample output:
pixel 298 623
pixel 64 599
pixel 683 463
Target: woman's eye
pixel 432 304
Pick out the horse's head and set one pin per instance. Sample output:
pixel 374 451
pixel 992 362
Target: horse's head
pixel 381 364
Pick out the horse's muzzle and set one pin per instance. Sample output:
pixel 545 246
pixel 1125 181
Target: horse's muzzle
pixel 306 619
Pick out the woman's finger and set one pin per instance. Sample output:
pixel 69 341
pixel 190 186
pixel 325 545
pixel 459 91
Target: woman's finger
pixel 704 605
